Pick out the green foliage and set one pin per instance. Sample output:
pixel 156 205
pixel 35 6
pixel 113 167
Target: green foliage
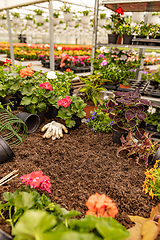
pixel 3 16
pixel 29 17
pixel 99 121
pixel 38 11
pixel 102 15
pixel 86 12
pixel 56 14
pixel 154 119
pixel 93 88
pixel 66 7
pixel 75 109
pixel 15 15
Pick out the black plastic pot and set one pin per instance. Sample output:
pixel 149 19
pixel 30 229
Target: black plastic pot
pixel 9 101
pixel 117 135
pixel 151 127
pixel 78 123
pixel 127 39
pixel 41 116
pixel 19 97
pixel 52 112
pixel 156 156
pixel 4 236
pixel 6 152
pixel 31 120
pixel 112 38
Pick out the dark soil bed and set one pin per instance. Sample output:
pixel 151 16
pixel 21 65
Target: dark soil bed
pixel 79 165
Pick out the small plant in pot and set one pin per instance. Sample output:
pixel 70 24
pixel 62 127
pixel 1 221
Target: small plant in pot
pixel 29 19
pixel 16 17
pixel 127 109
pixel 56 17
pixel 85 19
pixel 102 19
pixel 66 9
pixel 39 17
pixel 72 110
pixel 153 120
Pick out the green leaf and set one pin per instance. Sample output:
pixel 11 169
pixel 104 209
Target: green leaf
pixel 71 214
pixel 24 199
pixel 34 99
pixel 7 196
pixel 70 123
pixel 26 100
pixel 15 86
pixel 32 224
pixel 71 235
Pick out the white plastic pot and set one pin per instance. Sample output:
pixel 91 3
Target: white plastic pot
pixel 71 23
pixel 30 22
pixel 39 19
pixel 46 24
pixel 86 26
pixel 55 21
pixel 85 19
pixel 101 22
pixel 67 16
pixel 155 19
pixel 61 26
pixel 137 16
pixel 4 22
pixel 16 20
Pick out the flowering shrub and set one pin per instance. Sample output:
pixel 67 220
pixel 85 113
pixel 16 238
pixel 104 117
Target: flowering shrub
pixel 46 85
pixel 37 180
pixel 26 72
pixel 99 121
pixel 101 206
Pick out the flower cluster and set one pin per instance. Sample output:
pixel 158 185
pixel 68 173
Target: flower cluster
pixel 8 62
pixel 46 85
pixel 26 72
pixel 152 181
pixel 65 102
pixel 37 180
pixel 101 206
pixel 51 75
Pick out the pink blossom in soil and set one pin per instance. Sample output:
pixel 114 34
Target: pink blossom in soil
pixel 65 102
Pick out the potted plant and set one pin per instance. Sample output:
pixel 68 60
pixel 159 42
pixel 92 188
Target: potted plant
pixel 61 24
pixel 66 9
pixel 126 109
pixel 46 23
pixel 85 19
pixel 29 19
pixel 39 17
pixel 55 17
pixel 155 18
pixel 153 120
pixel 91 92
pixel 16 17
pixel 4 20
pixel 102 19
pixel 72 110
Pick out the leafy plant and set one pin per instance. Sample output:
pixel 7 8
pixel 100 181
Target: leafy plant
pixel 127 109
pixel 71 107
pixel 66 7
pixel 38 11
pixel 86 12
pixel 29 17
pixel 154 119
pixel 146 228
pixel 99 121
pixel 56 14
pixel 15 15
pixel 4 16
pixel 102 15
pixel 93 88
pixel 46 20
pixel 142 147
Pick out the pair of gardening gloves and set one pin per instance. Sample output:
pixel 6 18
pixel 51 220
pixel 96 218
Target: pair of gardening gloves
pixel 54 130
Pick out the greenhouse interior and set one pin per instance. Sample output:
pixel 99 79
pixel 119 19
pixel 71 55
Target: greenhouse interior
pixel 79 120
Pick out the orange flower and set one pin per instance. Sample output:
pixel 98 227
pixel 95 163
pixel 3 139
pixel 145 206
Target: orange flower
pixel 30 65
pixel 68 70
pixel 101 205
pixel 26 72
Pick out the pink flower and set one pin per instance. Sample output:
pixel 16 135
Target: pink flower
pixel 37 180
pixel 46 85
pixel 65 102
pixel 104 63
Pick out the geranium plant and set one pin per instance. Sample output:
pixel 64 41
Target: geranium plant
pixel 127 109
pixel 71 107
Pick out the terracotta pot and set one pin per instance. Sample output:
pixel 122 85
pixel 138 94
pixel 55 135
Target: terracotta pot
pixel 119 40
pixel 87 110
pixel 117 134
pixel 123 86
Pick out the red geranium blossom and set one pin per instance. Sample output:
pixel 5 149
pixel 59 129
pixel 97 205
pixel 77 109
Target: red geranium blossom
pixel 119 10
pixel 8 61
pixel 46 85
pixel 37 180
pixel 101 206
pixel 65 102
pixel 26 72
pixel 68 70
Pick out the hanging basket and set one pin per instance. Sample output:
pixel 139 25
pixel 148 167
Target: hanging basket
pixel 39 19
pixel 67 16
pixel 71 23
pixel 85 19
pixel 55 21
pixel 101 22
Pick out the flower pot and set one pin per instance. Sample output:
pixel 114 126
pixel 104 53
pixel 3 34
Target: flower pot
pixel 9 101
pixel 71 23
pixel 19 97
pixel 101 22
pixel 78 122
pixel 127 39
pixel 137 16
pixel 31 120
pixel 112 38
pixel 87 110
pixel 152 128
pixel 52 112
pixel 119 39
pixel 39 19
pixel 41 116
pixel 123 86
pixel 55 21
pixel 117 134
pixel 85 19
pixel 67 16
pixel 140 43
pixel 46 24
pixel 16 20
pixel 155 19
pixel 4 236
pixel 61 26
pixel 156 156
pixel 6 152
pixel 4 22
pixel 30 22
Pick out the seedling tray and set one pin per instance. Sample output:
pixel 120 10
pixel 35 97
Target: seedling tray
pixel 152 89
pixel 135 84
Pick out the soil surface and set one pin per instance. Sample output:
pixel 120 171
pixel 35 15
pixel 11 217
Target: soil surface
pixel 79 165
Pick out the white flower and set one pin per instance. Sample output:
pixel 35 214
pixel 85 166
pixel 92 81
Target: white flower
pixel 103 49
pixel 59 48
pixel 51 75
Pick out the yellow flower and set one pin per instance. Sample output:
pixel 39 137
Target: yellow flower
pixel 127 25
pixel 120 26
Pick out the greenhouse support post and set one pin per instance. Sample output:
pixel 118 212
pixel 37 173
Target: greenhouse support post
pixel 51 40
pixel 10 37
pixel 94 36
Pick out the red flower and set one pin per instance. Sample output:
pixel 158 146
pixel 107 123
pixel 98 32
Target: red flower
pixel 101 205
pixel 65 102
pixel 68 70
pixel 119 10
pixel 37 180
pixel 8 61
pixel 26 72
pixel 46 85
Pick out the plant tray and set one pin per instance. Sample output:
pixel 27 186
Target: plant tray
pixel 135 84
pixel 76 69
pixel 152 89
pixel 111 85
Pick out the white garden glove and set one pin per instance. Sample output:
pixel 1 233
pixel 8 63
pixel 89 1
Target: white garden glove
pixel 54 130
